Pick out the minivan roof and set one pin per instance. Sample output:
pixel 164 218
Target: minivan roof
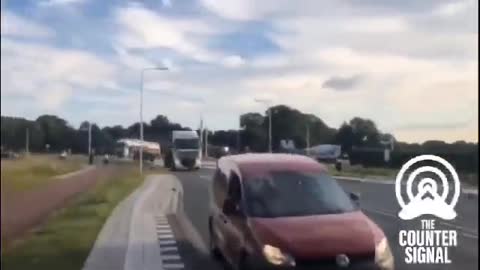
pixel 251 165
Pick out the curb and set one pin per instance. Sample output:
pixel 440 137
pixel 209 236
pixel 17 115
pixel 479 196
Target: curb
pixel 468 191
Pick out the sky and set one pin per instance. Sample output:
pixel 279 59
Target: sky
pixel 411 66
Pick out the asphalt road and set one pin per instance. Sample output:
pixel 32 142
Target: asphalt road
pixel 377 201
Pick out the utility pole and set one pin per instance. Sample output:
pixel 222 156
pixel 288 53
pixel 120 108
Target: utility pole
pixel 141 112
pixel 308 139
pixel 206 142
pixel 27 142
pixel 238 134
pixel 201 137
pixel 270 129
pixel 89 138
pixel 268 102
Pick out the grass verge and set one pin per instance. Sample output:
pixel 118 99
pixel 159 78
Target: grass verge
pixel 469 180
pixel 65 240
pixel 30 172
pixel 361 172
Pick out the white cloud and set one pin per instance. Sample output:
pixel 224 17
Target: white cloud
pixel 51 75
pixel 236 10
pixel 14 25
pixel 60 2
pixel 233 61
pixel 377 25
pixel 453 8
pixel 167 3
pixel 143 28
pixel 418 80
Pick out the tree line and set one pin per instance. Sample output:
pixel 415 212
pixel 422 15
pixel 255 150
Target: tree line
pixel 356 136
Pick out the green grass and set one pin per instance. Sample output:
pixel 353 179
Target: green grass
pixel 468 179
pixel 65 240
pixel 34 171
pixel 359 171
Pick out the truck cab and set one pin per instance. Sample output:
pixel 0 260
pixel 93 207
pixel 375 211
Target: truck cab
pixel 184 152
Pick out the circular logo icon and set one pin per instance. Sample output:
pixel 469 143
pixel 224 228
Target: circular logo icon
pixel 427 199
pixel 342 260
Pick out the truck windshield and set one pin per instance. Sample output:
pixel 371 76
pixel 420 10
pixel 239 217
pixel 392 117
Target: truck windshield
pixel 186 143
pixel 289 193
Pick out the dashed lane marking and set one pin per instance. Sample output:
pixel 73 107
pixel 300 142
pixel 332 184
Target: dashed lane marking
pixel 169 255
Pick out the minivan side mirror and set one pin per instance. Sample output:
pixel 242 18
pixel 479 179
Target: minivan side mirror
pixel 231 208
pixel 355 197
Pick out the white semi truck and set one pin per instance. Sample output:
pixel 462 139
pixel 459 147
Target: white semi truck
pixel 184 152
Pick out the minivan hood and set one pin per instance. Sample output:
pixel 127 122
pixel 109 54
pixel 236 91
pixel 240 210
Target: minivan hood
pixel 320 236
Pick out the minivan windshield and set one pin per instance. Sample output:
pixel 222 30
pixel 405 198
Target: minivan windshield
pixel 186 143
pixel 292 193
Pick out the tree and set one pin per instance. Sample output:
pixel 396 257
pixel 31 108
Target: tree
pixel 56 131
pixel 345 137
pixel 365 132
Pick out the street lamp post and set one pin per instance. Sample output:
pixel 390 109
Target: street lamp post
pixel 89 138
pixel 308 139
pixel 141 112
pixel 269 103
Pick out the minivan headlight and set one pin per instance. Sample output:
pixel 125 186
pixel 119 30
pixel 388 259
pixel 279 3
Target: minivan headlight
pixel 276 257
pixel 383 255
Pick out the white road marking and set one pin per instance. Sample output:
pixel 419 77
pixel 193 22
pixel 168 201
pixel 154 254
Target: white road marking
pixel 173 265
pixel 470 235
pixel 166 249
pixel 466 230
pixel 463 231
pixel 381 212
pixel 165 236
pixel 170 257
pixel 166 240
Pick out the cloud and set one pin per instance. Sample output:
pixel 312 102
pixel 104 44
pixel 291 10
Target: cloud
pixel 395 55
pixel 60 2
pixel 142 28
pixel 235 10
pixel 17 26
pixel 342 83
pixel 167 3
pixel 233 61
pixel 53 74
pixel 453 8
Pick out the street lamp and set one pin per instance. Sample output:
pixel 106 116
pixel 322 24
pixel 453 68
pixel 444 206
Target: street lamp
pixel 89 129
pixel 269 103
pixel 141 112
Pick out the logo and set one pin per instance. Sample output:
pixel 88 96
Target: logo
pixel 428 191
pixel 427 200
pixel 342 260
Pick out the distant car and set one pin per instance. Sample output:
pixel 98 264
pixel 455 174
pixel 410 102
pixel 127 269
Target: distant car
pixel 106 159
pixel 283 211
pixel 63 155
pixel 9 155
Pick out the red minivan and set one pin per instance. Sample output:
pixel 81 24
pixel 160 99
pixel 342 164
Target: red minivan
pixel 282 211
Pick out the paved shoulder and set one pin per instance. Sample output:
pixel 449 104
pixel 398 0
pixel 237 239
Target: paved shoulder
pixel 110 247
pixel 131 237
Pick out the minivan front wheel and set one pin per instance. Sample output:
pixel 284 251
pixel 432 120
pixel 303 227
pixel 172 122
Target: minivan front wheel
pixel 243 262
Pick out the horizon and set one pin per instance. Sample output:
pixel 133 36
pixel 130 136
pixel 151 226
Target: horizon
pixel 410 66
pixel 171 120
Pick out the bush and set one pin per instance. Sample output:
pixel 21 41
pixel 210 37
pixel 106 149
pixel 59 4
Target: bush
pixel 462 161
